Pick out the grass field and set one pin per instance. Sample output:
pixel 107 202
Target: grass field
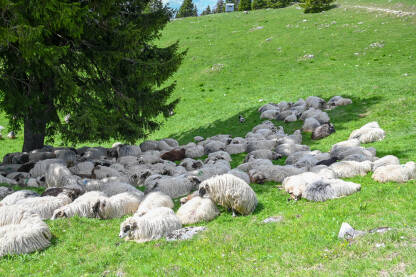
pixel 230 66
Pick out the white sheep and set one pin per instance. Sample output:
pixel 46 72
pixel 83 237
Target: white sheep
pixel 111 186
pixel 315 102
pixel 175 186
pixel 57 175
pixel 346 169
pixel 41 167
pixel 196 210
pixel 219 155
pixel 395 173
pixel 286 149
pixel 13 214
pixel 191 164
pixel 236 148
pixel 213 146
pixel 346 143
pixel 16 196
pixel 149 145
pixel 326 189
pixel 4 191
pixel 310 124
pixel 128 150
pixel 240 174
pixel 194 151
pixel 323 171
pixel 152 201
pixel 274 173
pixel 262 154
pixel 261 144
pixel 82 206
pixel 370 132
pixel 246 167
pixel 155 224
pixel 117 205
pixel 270 114
pixel 31 234
pixel 230 192
pixel 296 185
pixel 386 160
pixel 211 170
pixel 45 206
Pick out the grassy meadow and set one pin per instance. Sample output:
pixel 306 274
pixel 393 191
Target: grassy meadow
pixel 235 63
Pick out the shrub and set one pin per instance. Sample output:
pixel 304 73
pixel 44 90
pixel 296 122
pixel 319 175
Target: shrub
pixel 314 6
pixel 258 4
pixel 275 4
pixel 245 5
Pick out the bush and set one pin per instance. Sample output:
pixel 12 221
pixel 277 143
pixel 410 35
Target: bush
pixel 315 6
pixel 258 4
pixel 245 5
pixel 276 4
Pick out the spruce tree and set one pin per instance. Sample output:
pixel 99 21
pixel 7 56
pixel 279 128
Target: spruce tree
pixel 92 60
pixel 245 5
pixel 207 11
pixel 258 4
pixel 219 8
pixel 187 9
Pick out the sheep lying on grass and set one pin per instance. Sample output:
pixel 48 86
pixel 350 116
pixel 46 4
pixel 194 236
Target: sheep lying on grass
pixel 155 224
pixel 370 132
pixel 111 186
pixel 274 173
pixel 196 210
pixel 346 169
pixel 386 160
pixel 326 189
pixel 29 235
pixel 82 206
pixel 152 201
pixel 173 186
pixel 117 205
pixel 395 173
pixel 230 192
pixel 16 196
pixel 4 191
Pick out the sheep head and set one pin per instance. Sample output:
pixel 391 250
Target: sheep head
pixel 203 190
pixel 127 227
pixel 59 214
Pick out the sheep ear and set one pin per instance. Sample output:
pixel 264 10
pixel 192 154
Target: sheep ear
pixel 134 225
pixel 95 208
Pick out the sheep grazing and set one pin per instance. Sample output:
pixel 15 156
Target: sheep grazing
pixel 31 234
pixel 386 160
pixel 230 192
pixel 117 205
pixel 196 210
pixel 152 201
pixel 370 132
pixel 175 186
pixel 14 197
pixel 155 224
pixel 326 189
pixel 174 155
pixel 45 206
pixel 346 169
pixel 395 173
pixel 82 206
pixel 323 131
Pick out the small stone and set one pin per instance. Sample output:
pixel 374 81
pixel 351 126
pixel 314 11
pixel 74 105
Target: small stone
pixel 185 233
pixel 378 245
pixel 278 218
pixel 261 100
pixel 379 230
pixel 405 75
pixel 268 39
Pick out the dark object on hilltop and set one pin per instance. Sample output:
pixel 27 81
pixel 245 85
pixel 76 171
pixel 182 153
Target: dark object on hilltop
pixel 241 119
pixel 323 131
pixel 97 63
pixel 174 155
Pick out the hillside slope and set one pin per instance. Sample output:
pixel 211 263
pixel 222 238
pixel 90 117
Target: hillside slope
pixel 231 65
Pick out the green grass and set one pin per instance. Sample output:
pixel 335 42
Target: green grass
pixel 305 243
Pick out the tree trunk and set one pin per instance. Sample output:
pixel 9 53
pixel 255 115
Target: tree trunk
pixel 34 134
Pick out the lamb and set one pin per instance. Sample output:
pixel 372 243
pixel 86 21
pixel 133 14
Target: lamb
pixel 45 206
pixel 152 201
pixel 117 205
pixel 370 132
pixel 14 197
pixel 82 206
pixel 32 234
pixel 395 173
pixel 154 225
pixel 323 190
pixel 262 154
pixel 174 186
pixel 386 160
pixel 230 192
pixel 196 210
pixel 346 169
pixel 323 131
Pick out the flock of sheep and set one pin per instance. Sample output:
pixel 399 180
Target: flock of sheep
pixel 97 182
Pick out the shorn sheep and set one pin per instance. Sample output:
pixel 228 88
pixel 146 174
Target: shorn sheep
pixel 196 210
pixel 31 234
pixel 230 192
pixel 395 173
pixel 155 224
pixel 154 200
pixel 370 132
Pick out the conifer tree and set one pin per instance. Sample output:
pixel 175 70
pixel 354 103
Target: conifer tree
pixel 187 9
pixel 245 5
pixel 207 11
pixel 219 8
pixel 258 4
pixel 93 62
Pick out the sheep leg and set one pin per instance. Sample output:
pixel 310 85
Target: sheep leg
pixel 234 213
